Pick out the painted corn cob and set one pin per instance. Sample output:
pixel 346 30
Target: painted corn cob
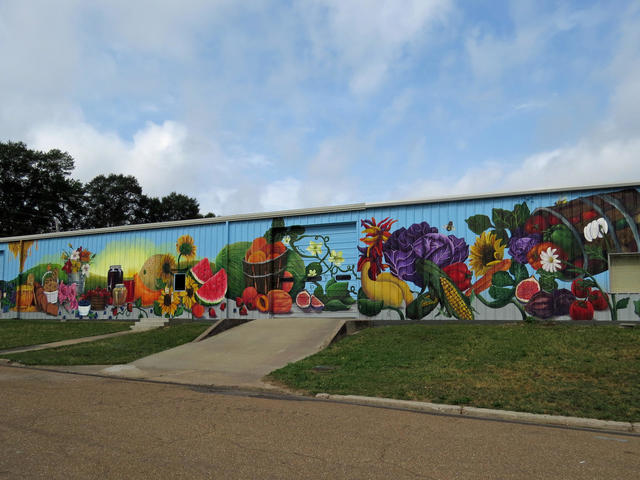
pixel 454 300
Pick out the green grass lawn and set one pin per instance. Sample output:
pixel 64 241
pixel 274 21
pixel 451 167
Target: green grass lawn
pixel 20 333
pixel 584 371
pixel 116 350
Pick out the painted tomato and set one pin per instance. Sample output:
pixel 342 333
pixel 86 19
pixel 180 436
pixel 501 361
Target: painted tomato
pixel 599 300
pixel 580 288
pixel 581 310
pixel 536 224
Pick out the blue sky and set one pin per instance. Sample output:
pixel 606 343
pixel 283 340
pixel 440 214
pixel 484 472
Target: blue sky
pixel 264 105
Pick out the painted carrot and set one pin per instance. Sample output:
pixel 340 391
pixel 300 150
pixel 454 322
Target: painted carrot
pixel 485 281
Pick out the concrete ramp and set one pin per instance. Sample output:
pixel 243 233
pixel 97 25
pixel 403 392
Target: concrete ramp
pixel 240 356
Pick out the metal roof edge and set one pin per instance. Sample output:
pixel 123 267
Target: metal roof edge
pixel 197 221
pixel 314 211
pixel 500 194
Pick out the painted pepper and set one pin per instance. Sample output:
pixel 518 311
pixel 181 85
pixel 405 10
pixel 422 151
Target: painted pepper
pixel 459 274
pixel 599 300
pixel 581 310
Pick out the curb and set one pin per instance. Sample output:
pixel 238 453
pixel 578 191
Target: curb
pixel 486 413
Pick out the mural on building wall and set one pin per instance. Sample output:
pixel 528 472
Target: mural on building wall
pixel 284 271
pixel 527 260
pixel 546 263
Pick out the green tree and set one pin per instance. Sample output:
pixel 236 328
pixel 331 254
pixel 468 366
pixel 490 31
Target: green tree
pixel 36 190
pixel 113 200
pixel 175 206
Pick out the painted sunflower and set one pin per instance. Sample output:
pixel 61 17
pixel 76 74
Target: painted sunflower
pixel 186 247
pixel 169 302
pixel 487 251
pixel 167 266
pixel 188 296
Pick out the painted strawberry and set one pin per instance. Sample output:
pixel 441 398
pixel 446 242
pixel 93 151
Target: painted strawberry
pixel 212 313
pixel 239 302
pixel 129 307
pixel 223 305
pixel 243 310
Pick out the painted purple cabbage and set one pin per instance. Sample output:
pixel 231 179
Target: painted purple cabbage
pixel 562 300
pixel 421 241
pixel 520 244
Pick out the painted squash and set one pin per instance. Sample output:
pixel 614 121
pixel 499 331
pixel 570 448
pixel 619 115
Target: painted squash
pixel 146 295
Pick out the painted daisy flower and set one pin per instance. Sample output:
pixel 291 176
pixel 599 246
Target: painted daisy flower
pixel 311 273
pixel 336 258
pixel 487 251
pixel 596 229
pixel 186 247
pixel 169 302
pixel 286 240
pixel 85 269
pixel 550 260
pixel 315 248
pixel 188 296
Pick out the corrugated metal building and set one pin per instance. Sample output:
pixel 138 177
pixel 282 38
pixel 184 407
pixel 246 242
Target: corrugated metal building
pixel 569 254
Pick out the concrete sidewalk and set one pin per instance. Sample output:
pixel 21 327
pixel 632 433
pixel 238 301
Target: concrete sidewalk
pixel 238 357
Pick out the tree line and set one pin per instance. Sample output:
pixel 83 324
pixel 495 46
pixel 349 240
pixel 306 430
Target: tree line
pixel 38 195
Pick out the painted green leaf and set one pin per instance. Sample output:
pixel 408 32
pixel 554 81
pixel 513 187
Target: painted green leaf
pixel 502 279
pixel 276 232
pixel 335 305
pixel 179 311
pixel 370 308
pixel 314 269
pixel 519 271
pixel 319 293
pixel 548 282
pixel 521 213
pixel 157 310
pixel 499 293
pixel 138 302
pixel 502 234
pixel 337 290
pixel 422 306
pixel 636 307
pixel 478 223
pixel 348 300
pixel 503 218
pixel 622 303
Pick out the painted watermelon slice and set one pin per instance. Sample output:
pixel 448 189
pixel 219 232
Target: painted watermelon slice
pixel 201 271
pixel 214 289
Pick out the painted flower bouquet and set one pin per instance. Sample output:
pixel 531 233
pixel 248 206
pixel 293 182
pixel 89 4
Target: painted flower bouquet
pixel 77 261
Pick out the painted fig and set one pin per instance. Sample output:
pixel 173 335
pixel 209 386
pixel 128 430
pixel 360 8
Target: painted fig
pixel 540 305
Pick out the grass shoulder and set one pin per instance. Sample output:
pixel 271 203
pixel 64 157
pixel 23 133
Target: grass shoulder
pixel 20 333
pixel 115 350
pixel 587 371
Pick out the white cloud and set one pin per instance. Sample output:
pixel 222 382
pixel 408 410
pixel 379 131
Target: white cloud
pixel 368 39
pixel 491 55
pixel 282 194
